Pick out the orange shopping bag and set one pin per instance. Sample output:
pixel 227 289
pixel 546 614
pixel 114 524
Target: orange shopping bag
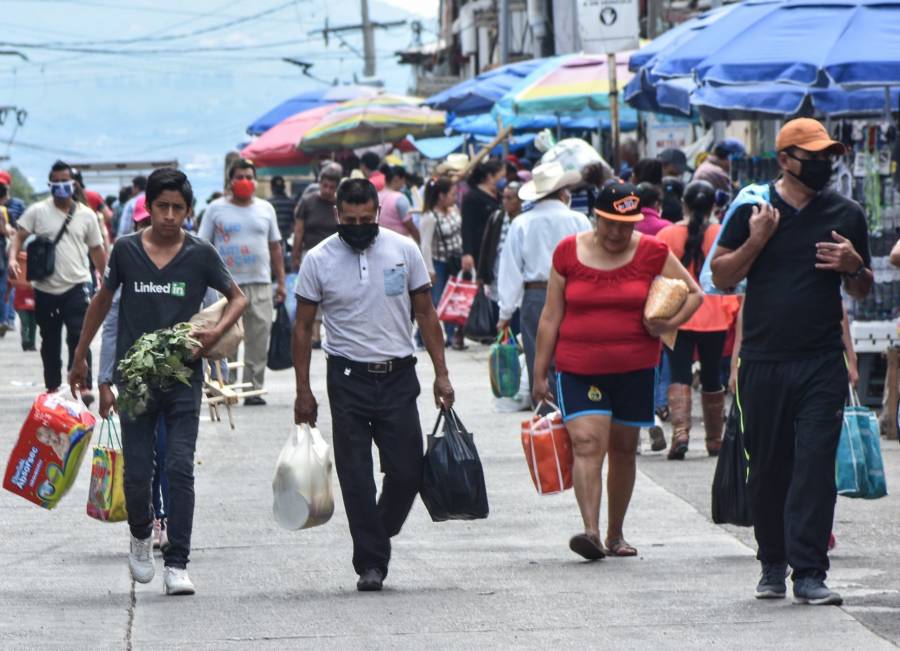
pixel 548 451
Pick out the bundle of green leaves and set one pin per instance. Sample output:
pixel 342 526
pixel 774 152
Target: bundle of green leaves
pixel 155 363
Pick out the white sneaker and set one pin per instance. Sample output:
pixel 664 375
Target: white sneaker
pixel 177 581
pixel 140 560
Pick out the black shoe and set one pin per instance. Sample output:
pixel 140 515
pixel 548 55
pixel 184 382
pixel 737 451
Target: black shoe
pixel 813 591
pixel 370 580
pixel 254 401
pixel 771 583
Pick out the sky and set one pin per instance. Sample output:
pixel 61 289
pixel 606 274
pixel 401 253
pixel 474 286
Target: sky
pixel 114 80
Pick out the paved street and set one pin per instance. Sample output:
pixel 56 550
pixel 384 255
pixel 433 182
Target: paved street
pixel 505 581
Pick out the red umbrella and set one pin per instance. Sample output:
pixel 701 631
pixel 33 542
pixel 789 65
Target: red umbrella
pixel 277 147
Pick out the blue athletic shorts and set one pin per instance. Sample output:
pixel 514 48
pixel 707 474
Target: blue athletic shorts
pixel 627 397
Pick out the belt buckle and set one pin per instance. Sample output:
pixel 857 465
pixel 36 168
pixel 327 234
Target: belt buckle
pixel 380 367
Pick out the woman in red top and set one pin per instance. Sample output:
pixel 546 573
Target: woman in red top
pixel 690 240
pixel 606 354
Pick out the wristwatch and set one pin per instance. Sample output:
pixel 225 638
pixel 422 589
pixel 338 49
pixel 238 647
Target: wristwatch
pixel 858 273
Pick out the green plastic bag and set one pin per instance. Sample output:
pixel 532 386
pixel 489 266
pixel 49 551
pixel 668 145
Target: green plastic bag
pixel 504 365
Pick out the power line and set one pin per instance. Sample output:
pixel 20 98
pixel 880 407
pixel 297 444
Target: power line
pixel 59 45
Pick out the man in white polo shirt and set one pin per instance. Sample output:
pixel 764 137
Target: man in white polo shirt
pixel 368 281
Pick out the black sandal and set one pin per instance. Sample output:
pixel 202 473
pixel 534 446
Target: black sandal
pixel 587 546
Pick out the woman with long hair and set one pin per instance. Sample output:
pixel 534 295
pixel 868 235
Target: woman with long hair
pixel 690 240
pixel 606 353
pixel 442 245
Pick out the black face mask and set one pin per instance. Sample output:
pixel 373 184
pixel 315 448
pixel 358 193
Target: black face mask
pixel 814 174
pixel 358 236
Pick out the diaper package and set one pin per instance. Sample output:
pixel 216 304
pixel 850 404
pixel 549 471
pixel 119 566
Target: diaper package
pixel 52 442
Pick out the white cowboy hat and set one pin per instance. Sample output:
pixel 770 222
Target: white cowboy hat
pixel 547 179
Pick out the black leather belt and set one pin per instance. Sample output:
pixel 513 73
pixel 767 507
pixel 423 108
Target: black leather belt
pixel 377 368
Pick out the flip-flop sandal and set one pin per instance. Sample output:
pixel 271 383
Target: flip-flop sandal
pixel 619 547
pixel 587 547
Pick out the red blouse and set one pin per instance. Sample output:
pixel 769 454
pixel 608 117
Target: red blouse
pixel 602 330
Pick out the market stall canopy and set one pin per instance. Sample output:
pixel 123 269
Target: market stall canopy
pixel 779 100
pixel 277 147
pixel 804 42
pixel 327 95
pixel 486 125
pixel 849 42
pixel 675 37
pixel 573 85
pixel 668 96
pixel 478 95
pixel 373 120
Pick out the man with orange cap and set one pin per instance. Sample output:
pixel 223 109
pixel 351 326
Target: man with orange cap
pixel 796 251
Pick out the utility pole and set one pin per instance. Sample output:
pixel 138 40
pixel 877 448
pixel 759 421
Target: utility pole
pixel 504 31
pixel 368 39
pixel 367 27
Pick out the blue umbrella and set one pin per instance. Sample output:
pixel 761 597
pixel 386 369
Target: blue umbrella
pixel 668 96
pixel 706 36
pixel 773 100
pixel 676 36
pixel 486 125
pixel 307 100
pixel 807 42
pixel 477 95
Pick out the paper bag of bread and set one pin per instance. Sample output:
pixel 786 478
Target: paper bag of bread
pixel 666 297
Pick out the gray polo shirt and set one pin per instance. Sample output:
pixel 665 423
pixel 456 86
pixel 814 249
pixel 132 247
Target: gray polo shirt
pixel 364 297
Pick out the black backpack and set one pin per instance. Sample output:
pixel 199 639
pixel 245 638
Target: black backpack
pixel 42 251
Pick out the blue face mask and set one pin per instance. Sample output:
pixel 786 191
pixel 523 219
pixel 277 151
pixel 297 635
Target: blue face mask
pixel 62 189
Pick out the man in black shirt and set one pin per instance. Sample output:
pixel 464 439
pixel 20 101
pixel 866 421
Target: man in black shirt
pixel 284 213
pixel 795 252
pixel 164 273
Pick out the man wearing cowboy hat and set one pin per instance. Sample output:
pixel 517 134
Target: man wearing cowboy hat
pixel 528 252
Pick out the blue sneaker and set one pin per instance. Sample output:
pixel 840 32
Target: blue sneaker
pixel 813 591
pixel 771 584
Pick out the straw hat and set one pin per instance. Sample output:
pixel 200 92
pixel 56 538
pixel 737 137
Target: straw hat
pixel 547 179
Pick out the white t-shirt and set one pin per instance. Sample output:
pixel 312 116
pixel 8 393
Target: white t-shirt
pixel 45 219
pixel 242 235
pixel 365 297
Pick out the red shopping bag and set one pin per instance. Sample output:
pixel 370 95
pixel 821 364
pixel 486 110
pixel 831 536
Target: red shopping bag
pixel 456 301
pixel 548 452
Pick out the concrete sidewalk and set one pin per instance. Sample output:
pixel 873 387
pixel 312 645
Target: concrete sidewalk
pixel 506 581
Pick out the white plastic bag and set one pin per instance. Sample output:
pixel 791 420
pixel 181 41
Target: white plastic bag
pixel 302 486
pixel 574 154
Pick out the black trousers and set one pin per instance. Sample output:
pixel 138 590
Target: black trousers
pixel 709 346
pixel 367 407
pixel 180 408
pixel 791 414
pixel 52 312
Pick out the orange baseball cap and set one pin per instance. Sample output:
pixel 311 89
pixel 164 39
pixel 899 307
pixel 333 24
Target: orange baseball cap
pixel 808 134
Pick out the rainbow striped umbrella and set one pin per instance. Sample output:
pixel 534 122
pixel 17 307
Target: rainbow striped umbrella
pixel 373 120
pixel 570 85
